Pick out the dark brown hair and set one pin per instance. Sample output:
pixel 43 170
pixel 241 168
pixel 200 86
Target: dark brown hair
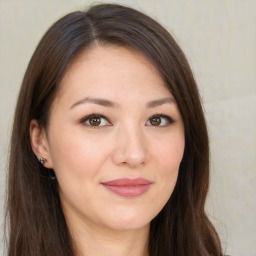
pixel 36 223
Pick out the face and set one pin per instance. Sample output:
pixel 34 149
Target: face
pixel 115 140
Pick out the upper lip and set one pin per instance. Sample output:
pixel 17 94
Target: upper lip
pixel 127 182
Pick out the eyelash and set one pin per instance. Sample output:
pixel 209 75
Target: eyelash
pixel 100 116
pixel 168 118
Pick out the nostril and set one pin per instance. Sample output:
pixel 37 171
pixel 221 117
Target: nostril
pixel 130 156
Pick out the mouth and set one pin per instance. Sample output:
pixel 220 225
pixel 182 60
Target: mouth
pixel 128 187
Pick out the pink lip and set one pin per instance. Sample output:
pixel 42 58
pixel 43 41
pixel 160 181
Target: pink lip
pixel 128 187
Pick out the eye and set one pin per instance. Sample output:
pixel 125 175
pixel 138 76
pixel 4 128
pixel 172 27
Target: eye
pixel 160 120
pixel 95 120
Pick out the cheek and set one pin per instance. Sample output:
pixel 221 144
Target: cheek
pixel 74 154
pixel 169 155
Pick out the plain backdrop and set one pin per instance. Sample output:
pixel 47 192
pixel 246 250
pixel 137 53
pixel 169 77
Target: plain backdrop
pixel 219 39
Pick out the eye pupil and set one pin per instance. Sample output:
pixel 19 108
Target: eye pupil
pixel 155 121
pixel 94 121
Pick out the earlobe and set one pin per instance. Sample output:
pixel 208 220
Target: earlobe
pixel 39 144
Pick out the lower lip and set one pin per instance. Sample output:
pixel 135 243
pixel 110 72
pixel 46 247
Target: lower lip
pixel 128 191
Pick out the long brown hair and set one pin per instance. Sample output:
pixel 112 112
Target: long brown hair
pixel 36 223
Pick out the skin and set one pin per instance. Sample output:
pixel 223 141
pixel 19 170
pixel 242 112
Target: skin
pixel 129 143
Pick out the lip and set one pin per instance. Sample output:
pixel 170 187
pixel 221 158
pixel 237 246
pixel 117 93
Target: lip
pixel 128 187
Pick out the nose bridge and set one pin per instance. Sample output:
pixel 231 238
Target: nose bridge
pixel 131 147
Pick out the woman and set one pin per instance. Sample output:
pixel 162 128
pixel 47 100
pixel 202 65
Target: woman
pixel 109 151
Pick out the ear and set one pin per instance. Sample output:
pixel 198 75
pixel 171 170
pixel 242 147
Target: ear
pixel 39 143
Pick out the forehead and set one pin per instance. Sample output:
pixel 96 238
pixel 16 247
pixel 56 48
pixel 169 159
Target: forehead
pixel 111 70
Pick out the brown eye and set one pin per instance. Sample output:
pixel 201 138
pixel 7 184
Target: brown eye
pixel 155 121
pixel 94 121
pixel 160 120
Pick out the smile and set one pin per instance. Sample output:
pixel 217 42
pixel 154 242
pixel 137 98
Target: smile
pixel 128 187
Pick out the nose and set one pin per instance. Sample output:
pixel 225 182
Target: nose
pixel 130 148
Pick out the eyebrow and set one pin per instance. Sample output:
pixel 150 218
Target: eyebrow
pixel 97 101
pixel 159 102
pixel 108 103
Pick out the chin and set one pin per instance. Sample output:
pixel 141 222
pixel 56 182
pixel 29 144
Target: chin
pixel 129 220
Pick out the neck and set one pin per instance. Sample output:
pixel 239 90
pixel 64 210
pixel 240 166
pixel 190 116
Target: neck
pixel 92 240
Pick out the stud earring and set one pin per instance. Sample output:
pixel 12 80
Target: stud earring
pixel 42 160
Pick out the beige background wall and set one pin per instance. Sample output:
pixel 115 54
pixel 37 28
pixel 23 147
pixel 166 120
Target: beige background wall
pixel 219 38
